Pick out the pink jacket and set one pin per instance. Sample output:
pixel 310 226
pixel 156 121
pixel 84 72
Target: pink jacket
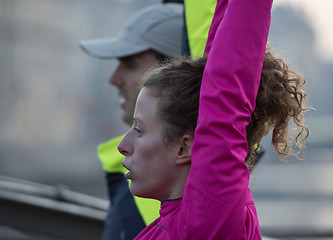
pixel 217 202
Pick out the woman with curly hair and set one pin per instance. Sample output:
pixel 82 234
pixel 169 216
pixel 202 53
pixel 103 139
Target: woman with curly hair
pixel 197 125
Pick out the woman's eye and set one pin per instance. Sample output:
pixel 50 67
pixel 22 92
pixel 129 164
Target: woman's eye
pixel 137 130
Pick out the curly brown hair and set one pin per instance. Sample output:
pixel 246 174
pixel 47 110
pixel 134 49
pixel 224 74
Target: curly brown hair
pixel 280 98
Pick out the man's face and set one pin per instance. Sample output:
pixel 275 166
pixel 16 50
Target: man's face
pixel 126 78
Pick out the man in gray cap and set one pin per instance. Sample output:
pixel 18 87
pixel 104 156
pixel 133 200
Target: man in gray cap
pixel 150 36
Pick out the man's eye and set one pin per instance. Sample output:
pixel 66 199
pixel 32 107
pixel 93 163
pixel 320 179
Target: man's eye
pixel 130 64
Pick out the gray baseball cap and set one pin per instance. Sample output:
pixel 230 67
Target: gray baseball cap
pixel 157 27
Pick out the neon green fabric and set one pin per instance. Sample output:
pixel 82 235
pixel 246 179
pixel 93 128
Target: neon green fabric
pixel 148 208
pixel 110 157
pixel 198 15
pixel 111 161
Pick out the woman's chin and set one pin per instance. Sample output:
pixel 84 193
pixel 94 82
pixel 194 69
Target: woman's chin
pixel 136 191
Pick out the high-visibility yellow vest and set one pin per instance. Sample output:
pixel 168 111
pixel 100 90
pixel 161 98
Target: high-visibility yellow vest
pixel 198 16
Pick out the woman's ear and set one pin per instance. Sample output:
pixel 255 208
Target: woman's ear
pixel 184 151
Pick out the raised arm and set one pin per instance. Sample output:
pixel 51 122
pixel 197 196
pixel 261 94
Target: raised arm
pixel 216 198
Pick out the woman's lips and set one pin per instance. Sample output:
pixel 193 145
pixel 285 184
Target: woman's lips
pixel 127 175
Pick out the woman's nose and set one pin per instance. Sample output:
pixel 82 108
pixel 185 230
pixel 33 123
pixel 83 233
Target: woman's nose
pixel 124 147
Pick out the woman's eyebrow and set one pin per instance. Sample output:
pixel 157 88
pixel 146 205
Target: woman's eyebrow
pixel 137 120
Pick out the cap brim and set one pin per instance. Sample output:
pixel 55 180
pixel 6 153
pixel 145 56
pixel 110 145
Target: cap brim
pixel 111 48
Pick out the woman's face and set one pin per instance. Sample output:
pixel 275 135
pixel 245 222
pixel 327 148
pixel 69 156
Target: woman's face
pixel 151 163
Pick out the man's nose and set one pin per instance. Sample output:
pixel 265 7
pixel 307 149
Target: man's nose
pixel 116 78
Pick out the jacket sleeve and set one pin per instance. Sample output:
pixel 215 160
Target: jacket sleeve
pixel 216 192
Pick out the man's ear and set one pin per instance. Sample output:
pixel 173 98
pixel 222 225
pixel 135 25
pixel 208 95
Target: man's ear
pixel 184 151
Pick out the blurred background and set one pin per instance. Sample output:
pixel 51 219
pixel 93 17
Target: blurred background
pixel 56 105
